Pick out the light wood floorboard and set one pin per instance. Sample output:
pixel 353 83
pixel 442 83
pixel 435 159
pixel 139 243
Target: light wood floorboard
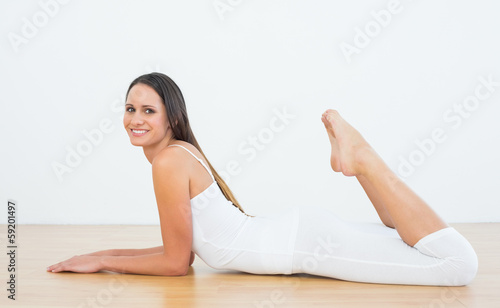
pixel 43 245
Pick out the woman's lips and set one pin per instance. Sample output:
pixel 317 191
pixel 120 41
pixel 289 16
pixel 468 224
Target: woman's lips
pixel 139 132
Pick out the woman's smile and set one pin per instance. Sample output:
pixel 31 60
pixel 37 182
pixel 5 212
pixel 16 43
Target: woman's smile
pixel 138 132
pixel 145 119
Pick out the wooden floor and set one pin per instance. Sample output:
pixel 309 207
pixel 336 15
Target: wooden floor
pixel 42 245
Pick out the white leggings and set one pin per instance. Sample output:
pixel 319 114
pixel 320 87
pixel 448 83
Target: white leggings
pixel 328 246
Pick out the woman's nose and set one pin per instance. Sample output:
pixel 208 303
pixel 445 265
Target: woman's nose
pixel 137 119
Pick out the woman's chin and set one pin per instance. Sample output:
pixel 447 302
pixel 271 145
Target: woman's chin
pixel 137 143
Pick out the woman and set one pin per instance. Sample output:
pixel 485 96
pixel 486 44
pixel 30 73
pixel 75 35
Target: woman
pixel 199 214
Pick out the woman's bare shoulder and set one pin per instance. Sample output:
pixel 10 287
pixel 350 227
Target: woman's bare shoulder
pixel 170 158
pixel 188 146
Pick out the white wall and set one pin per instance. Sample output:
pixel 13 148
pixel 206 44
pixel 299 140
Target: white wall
pixel 65 68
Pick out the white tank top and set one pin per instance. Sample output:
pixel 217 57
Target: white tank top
pixel 226 238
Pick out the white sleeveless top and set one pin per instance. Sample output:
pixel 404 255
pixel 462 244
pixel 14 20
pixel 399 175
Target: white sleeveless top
pixel 226 238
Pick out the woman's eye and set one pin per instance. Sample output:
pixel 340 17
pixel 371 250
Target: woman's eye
pixel 150 111
pixel 129 109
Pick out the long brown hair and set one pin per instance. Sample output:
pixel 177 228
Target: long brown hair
pixel 177 117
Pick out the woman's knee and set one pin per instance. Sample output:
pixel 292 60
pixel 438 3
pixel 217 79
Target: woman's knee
pixel 467 266
pixel 459 260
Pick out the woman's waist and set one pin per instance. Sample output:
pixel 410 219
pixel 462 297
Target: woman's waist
pixel 240 232
pixel 260 245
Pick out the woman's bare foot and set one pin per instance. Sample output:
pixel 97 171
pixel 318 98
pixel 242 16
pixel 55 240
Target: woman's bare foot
pixel 335 157
pixel 350 150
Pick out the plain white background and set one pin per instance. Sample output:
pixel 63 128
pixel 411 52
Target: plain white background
pixel 402 72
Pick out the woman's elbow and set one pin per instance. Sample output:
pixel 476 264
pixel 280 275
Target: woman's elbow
pixel 191 259
pixel 175 266
pixel 180 271
pixel 177 270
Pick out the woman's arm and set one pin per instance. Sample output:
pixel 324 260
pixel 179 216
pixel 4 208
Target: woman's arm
pixel 134 252
pixel 171 177
pixel 152 264
pixel 126 252
pixel 171 185
pixel 191 258
pixel 171 170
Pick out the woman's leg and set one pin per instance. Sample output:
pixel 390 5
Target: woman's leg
pixel 367 187
pixel 376 200
pixel 397 205
pixel 328 246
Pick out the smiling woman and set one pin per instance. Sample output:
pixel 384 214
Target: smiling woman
pixel 154 104
pixel 199 214
pixel 144 124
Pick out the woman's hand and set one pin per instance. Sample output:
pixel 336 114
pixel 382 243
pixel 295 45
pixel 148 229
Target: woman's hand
pixel 78 264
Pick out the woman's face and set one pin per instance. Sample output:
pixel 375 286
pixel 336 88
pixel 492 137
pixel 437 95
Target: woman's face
pixel 145 118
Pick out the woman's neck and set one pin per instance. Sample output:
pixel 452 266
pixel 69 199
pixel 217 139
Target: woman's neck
pixel 152 150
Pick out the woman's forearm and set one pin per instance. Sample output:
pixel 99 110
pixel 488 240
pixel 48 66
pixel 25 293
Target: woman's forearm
pixel 127 252
pixel 134 252
pixel 138 252
pixel 150 264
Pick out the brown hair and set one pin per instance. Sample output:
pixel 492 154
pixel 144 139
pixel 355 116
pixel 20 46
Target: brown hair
pixel 178 119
